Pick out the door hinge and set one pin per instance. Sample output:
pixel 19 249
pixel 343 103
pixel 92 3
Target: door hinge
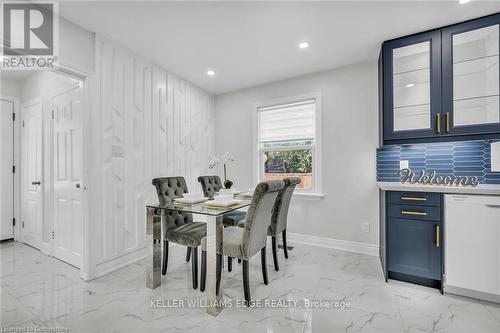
pixel 13 169
pixel 13 116
pixel 14 222
pixel 22 225
pixel 52 114
pixel 23 123
pixel 53 234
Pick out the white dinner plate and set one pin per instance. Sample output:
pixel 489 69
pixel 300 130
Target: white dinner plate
pixel 190 201
pixel 224 203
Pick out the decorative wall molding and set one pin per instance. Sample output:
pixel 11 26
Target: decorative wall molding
pixel 145 123
pixel 337 244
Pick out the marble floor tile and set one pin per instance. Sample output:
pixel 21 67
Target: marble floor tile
pixel 12 312
pixel 493 309
pixel 37 290
pixel 351 320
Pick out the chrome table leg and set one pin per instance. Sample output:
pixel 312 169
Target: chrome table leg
pixel 153 239
pixel 214 237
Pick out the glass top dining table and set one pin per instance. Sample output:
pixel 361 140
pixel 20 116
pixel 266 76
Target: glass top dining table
pixel 203 208
pixel 213 218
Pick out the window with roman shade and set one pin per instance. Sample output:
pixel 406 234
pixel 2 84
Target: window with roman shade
pixel 288 141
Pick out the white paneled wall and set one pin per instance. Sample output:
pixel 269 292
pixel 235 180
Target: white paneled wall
pixel 145 123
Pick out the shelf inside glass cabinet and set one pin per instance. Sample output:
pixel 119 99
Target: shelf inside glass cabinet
pixel 411 87
pixel 476 77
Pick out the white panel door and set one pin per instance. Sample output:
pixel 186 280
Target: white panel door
pixel 32 173
pixel 6 174
pixel 67 122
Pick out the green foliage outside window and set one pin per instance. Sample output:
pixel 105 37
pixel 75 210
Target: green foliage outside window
pixel 288 161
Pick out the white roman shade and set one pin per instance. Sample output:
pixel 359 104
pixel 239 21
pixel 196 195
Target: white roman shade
pixel 287 122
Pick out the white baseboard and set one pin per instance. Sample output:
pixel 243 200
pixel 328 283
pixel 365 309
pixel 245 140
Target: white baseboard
pixel 472 293
pixel 119 262
pixel 45 248
pixel 114 264
pixel 337 244
pixel 348 246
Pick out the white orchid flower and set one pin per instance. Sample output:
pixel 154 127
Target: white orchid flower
pixel 227 157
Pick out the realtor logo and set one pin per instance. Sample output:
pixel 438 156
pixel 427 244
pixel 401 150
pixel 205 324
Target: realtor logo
pixel 29 34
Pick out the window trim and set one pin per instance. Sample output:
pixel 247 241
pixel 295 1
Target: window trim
pixel 317 191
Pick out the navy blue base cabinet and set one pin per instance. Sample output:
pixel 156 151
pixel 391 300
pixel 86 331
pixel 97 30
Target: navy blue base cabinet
pixel 414 233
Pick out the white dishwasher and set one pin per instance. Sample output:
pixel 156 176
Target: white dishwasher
pixel 472 246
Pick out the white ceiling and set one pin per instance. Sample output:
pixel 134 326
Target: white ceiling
pixel 251 43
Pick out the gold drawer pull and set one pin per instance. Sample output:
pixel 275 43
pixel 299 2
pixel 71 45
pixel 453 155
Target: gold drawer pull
pixel 447 125
pixel 438 123
pixel 437 235
pixel 405 212
pixel 413 199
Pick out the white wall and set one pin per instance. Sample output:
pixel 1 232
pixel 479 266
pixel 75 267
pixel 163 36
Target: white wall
pixel 43 82
pixel 76 46
pixel 10 88
pixel 350 136
pixel 144 123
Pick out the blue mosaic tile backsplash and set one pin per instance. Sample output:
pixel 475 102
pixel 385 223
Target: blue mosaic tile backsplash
pixel 462 158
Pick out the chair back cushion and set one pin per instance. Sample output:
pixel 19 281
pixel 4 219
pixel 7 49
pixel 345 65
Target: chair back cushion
pixel 169 188
pixel 280 212
pixel 210 185
pixel 259 217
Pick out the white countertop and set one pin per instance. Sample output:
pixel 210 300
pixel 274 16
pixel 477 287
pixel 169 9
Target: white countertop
pixel 480 189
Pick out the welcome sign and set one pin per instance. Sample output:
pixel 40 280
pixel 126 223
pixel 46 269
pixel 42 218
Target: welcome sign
pixel 431 178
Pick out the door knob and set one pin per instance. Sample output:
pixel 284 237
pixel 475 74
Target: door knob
pixel 36 183
pixel 77 185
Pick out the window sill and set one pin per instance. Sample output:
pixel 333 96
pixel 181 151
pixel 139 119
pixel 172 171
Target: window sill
pixel 307 196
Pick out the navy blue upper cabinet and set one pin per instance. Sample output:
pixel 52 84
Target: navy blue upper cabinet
pixel 471 77
pixel 412 86
pixel 442 84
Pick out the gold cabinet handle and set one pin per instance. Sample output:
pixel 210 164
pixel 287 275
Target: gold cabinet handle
pixel 406 212
pixel 438 122
pixel 413 199
pixel 437 236
pixel 447 125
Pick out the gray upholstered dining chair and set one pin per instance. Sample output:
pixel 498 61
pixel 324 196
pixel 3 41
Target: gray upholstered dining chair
pixel 244 243
pixel 211 185
pixel 279 218
pixel 179 226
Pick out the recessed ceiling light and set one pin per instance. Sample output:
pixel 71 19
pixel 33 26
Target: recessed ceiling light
pixel 210 72
pixel 304 45
pixel 463 1
pixel 409 85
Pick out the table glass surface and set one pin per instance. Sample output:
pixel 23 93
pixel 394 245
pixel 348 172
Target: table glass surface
pixel 201 208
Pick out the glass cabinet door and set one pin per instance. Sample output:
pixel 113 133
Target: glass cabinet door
pixel 471 77
pixel 411 77
pixel 412 87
